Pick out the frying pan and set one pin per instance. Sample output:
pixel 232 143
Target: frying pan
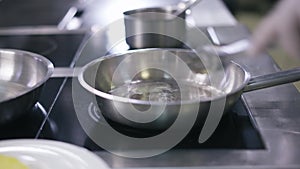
pixel 22 75
pixel 136 67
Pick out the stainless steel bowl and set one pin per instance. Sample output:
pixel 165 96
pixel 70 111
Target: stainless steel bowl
pixel 22 74
pixel 154 28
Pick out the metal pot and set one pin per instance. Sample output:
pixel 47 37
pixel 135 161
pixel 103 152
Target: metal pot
pixel 22 75
pixel 154 28
pixel 110 72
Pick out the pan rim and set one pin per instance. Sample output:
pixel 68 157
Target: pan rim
pixel 167 14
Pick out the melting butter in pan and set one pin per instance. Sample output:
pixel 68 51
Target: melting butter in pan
pixel 165 91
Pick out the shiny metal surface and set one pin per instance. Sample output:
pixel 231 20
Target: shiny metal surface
pixel 107 74
pixel 273 79
pixel 98 78
pixel 22 75
pixel 60 72
pixel 154 27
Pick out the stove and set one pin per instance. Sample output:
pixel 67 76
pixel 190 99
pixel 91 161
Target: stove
pixel 54 116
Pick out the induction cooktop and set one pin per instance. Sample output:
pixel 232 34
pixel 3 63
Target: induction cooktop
pixel 54 116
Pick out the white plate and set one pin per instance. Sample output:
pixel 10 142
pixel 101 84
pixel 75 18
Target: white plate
pixel 48 154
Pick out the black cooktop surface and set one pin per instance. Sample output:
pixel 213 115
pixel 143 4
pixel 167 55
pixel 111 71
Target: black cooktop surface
pixel 54 116
pixel 16 13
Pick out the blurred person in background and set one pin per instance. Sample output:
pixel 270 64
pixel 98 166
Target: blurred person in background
pixel 281 26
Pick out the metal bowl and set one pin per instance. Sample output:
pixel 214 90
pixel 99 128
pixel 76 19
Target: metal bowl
pixel 22 74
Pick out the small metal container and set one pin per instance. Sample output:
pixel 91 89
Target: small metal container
pixel 154 28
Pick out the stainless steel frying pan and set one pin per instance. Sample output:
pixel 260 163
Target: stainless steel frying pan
pixel 108 77
pixel 22 75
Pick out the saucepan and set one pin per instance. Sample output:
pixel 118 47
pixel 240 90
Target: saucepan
pixel 22 75
pixel 154 28
pixel 148 79
pixel 157 27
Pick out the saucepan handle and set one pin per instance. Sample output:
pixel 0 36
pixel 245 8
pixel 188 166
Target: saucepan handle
pixel 273 79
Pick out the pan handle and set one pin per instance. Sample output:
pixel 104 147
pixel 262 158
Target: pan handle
pixel 273 79
pixel 60 72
